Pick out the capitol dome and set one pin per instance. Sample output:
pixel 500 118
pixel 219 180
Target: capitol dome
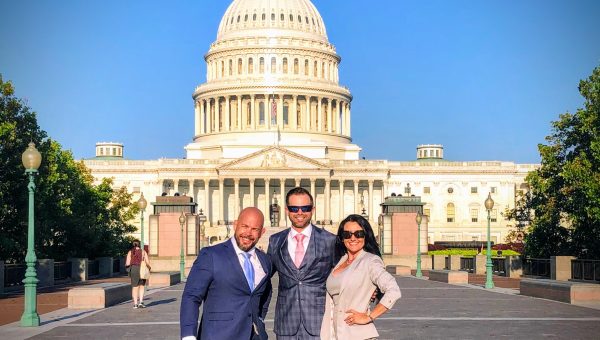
pixel 297 18
pixel 272 80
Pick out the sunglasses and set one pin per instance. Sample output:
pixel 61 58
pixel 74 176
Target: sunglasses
pixel 348 234
pixel 296 208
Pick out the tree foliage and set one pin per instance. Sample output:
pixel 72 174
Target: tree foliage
pixel 72 216
pixel 565 196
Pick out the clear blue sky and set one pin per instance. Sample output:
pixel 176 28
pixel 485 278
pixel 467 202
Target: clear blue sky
pixel 483 78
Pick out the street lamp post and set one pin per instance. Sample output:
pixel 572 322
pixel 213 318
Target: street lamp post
pixel 142 205
pixel 489 283
pixel 31 159
pixel 181 259
pixel 201 219
pixel 419 218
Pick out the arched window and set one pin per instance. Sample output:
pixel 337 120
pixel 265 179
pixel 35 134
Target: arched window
pixel 264 17
pixel 261 113
pixel 250 65
pixel 273 65
pixel 254 17
pixel 286 114
pixel 323 70
pixel 299 19
pixel 261 65
pixel 285 65
pixel 230 67
pixel 239 66
pixel 315 71
pixel 282 17
pixel 306 19
pixel 238 19
pixel 450 213
pixel 291 18
pixel 306 68
pixel 298 116
pixel 246 17
pixel 272 16
pixel 296 67
pixel 222 68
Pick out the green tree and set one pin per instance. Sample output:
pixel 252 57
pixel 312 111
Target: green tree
pixel 73 217
pixel 566 188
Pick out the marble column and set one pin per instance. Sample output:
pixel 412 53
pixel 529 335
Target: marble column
pixel 221 199
pixel 197 118
pixel 191 189
pixel 202 117
pixel 356 201
pixel 329 116
pixel 282 191
pixel 252 200
pixel 252 113
pixel 217 115
pixel 293 116
pixel 236 205
pixel 207 199
pixel 341 212
pixel 327 199
pixel 320 114
pixel 267 200
pixel 371 201
pixel 308 118
pixel 238 125
pixel 227 113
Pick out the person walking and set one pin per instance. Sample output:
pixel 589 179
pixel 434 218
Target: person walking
pixel 351 284
pixel 233 281
pixel 136 257
pixel 303 256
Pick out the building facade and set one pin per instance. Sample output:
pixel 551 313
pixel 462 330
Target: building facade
pixel 272 115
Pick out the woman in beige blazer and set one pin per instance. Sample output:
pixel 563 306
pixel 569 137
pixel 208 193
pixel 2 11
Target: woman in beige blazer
pixel 351 284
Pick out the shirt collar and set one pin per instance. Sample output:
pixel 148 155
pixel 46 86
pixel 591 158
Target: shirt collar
pixel 238 251
pixel 306 232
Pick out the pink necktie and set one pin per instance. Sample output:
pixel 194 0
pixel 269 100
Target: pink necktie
pixel 299 255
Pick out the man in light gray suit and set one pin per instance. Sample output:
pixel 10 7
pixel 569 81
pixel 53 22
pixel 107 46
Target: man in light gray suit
pixel 303 256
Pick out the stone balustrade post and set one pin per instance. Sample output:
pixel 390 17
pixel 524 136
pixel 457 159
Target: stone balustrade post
pixel 479 264
pixel 105 266
pixel 79 268
pixel 439 262
pixel 513 266
pixel 45 272
pixel 560 267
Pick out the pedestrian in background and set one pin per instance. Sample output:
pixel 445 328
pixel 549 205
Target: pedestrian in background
pixel 136 257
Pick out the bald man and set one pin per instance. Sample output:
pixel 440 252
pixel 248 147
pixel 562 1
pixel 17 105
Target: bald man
pixel 232 279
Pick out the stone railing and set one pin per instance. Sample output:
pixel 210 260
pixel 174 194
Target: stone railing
pixel 50 272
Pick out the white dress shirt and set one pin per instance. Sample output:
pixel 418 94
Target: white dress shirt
pixel 259 272
pixel 292 241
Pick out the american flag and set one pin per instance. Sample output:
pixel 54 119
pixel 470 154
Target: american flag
pixel 273 110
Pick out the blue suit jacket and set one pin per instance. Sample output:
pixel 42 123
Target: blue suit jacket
pixel 301 293
pixel 218 281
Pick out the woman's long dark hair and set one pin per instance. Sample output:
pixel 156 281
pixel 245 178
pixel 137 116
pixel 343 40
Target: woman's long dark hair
pixel 371 245
pixel 135 244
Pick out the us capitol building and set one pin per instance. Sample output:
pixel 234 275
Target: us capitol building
pixel 272 115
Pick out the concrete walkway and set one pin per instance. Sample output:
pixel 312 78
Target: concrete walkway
pixel 427 310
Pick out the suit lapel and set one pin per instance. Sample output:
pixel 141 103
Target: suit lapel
pixel 234 262
pixel 264 262
pixel 285 254
pixel 349 272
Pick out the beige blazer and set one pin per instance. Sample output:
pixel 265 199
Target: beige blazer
pixel 364 274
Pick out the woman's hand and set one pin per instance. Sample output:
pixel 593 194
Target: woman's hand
pixel 356 318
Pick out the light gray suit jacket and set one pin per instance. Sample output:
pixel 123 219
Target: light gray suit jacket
pixel 364 274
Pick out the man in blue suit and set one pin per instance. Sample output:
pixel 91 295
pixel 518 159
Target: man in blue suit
pixel 233 280
pixel 303 256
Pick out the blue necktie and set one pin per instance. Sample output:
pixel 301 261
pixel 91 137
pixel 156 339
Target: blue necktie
pixel 248 270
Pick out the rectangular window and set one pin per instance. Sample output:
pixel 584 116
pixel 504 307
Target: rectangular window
pixel 473 190
pixel 474 215
pixel 427 190
pixel 493 190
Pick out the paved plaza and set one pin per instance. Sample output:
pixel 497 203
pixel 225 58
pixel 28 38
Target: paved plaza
pixel 427 310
